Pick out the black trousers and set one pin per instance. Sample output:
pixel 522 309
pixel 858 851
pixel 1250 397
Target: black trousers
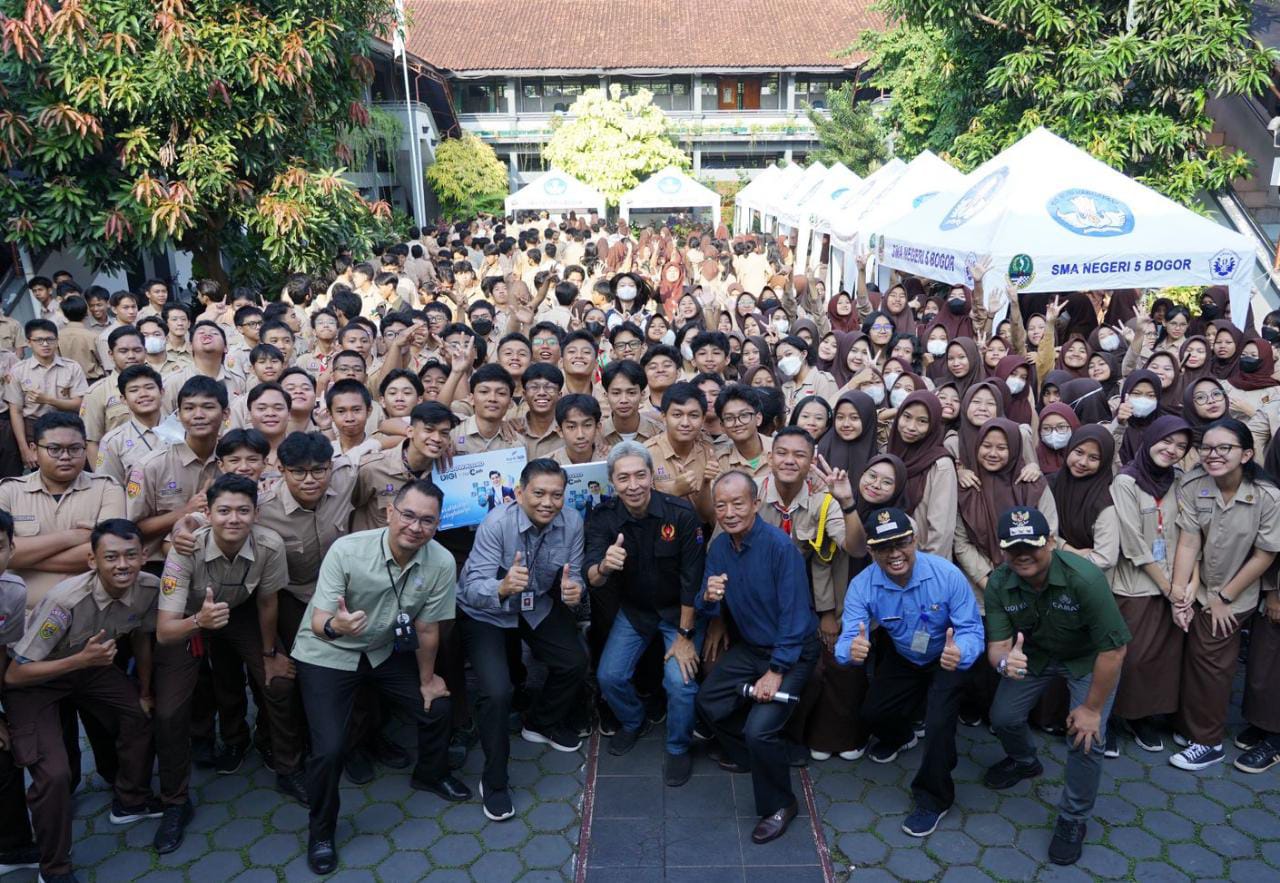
pixel 15 825
pixel 897 689
pixel 555 644
pixel 328 696
pixel 750 732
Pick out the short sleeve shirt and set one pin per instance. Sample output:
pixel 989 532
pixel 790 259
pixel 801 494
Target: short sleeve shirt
pixel 62 379
pixel 124 447
pixel 13 608
pixel 78 608
pixel 103 408
pixel 307 533
pixel 258 566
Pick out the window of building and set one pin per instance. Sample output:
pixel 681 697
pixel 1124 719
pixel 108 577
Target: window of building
pixel 669 93
pixel 480 96
pixel 812 90
pixel 738 160
pixel 771 97
pixel 553 94
pixel 531 161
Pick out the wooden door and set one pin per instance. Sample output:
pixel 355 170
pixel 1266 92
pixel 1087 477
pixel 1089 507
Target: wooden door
pixel 751 93
pixel 727 94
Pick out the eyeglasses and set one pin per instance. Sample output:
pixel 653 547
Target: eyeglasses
pixel 42 341
pixel 541 387
pixel 1204 398
pixel 58 452
pixel 880 326
pixel 545 341
pixel 251 323
pixel 316 472
pixel 625 345
pixel 426 522
pixel 1217 450
pixel 740 419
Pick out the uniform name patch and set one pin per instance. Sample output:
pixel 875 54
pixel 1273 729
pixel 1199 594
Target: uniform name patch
pixel 60 616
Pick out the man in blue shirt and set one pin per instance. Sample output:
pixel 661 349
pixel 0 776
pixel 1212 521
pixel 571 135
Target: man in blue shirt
pixel 755 570
pixel 927 610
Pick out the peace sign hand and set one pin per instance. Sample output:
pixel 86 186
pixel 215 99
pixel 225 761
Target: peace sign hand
pixel 836 480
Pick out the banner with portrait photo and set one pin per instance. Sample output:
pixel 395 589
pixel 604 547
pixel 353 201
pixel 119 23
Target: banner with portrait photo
pixel 477 484
pixel 588 486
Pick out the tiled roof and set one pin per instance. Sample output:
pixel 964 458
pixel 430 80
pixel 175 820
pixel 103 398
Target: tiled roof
pixel 473 35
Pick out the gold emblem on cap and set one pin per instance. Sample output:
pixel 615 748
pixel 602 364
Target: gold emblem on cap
pixel 1022 517
pixel 883 518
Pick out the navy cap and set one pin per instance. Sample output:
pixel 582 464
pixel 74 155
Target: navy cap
pixel 883 525
pixel 1023 525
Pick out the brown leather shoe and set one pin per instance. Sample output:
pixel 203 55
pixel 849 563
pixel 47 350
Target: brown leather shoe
pixel 774 826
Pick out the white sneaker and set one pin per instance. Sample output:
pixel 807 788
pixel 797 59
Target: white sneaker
pixel 819 755
pixel 1198 757
pixel 853 754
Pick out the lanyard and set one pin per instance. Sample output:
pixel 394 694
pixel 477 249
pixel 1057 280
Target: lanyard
pixel 531 558
pixel 142 435
pixel 1159 517
pixel 396 591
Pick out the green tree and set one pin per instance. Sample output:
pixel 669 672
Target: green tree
pixel 851 134
pixel 613 142
pixel 467 177
pixel 968 79
pixel 217 126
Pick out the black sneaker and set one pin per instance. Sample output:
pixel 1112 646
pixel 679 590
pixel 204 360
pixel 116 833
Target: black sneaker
pixel 497 804
pixel 970 718
pixel 173 826
pixel 388 753
pixel 322 858
pixel 127 815
pixel 1112 748
pixel 58 878
pixel 702 732
pixel 1260 757
pixel 229 759
pixel 358 767
pixel 606 720
pixel 204 753
pixel 1067 842
pixel 559 737
pixel 22 858
pixel 1147 735
pixel 268 758
pixel 293 785
pixel 1009 772
pixel 624 740
pixel 676 769
pixel 883 752
pixel 1250 737
pixel 917 727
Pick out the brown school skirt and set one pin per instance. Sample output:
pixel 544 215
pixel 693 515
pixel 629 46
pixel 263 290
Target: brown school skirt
pixel 827 717
pixel 1152 672
pixel 1262 675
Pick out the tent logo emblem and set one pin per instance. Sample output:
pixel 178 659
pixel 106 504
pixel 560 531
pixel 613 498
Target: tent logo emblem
pixel 669 184
pixel 1021 271
pixel 839 192
pixel 923 198
pixel 975 199
pixel 1223 264
pixel 555 187
pixel 1089 213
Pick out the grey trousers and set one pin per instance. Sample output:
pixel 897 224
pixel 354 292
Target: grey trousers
pixel 1014 701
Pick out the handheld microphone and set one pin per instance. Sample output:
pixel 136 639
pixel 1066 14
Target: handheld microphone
pixel 748 691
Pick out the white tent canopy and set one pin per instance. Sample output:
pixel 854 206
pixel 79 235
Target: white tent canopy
pixel 922 179
pixel 782 205
pixel 556 191
pixel 670 189
pixel 750 198
pixel 1053 218
pixel 774 191
pixel 833 220
pixel 837 183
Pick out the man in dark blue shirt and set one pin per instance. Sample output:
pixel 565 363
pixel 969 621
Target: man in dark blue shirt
pixel 757 572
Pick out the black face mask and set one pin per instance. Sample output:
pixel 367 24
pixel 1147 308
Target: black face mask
pixel 1249 364
pixel 928 317
pixel 595 329
pixel 1270 334
pixel 1209 311
pixel 957 307
pixel 482 327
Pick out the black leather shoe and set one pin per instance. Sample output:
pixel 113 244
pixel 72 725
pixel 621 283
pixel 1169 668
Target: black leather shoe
pixel 730 767
pixel 448 788
pixel 774 826
pixel 322 858
pixel 358 767
pixel 204 753
pixel 388 753
pixel 293 785
pixel 172 828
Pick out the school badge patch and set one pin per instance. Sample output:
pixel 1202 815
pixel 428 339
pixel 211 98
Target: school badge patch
pixel 48 629
pixel 169 585
pixel 668 532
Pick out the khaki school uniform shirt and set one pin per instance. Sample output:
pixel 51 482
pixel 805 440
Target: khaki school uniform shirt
pixel 936 515
pixel 1263 424
pixel 62 378
pixel 13 608
pixel 12 337
pixel 541 445
pixel 467 439
pixel 258 566
pixel 730 458
pixel 232 380
pixel 78 608
pixel 307 533
pixel 163 481
pixel 90 499
pixel 816 383
pixel 1228 533
pixel 124 447
pixel 806 515
pixel 1141 520
pixel 378 479
pixel 648 428
pixel 80 345
pixel 53 312
pixel 103 408
pixel 667 466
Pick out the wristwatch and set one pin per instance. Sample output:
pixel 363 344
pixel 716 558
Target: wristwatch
pixel 1223 598
pixel 685 633
pixel 328 630
pixel 847 509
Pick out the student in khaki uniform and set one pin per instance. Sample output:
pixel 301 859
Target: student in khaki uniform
pixel 208 346
pixel 77 342
pixel 738 409
pixel 797 364
pixel 624 385
pixel 55 507
pixel 99 321
pixel 171 481
pixel 177 345
pixel 235 561
pixel 66 656
pixel 124 305
pixel 104 407
pixel 157 295
pixel 42 289
pixel 1229 523
pixel 349 403
pixel 17 845
pixel 491 391
pixel 542 386
pixel 578 416
pixel 12 338
pixel 684 463
pixel 122 448
pixel 40 384
pixel 380 476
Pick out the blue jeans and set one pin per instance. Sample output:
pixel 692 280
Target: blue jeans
pixel 618 663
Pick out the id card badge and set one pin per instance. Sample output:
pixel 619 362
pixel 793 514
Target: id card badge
pixel 920 641
pixel 1158 549
pixel 406 636
pixel 526 602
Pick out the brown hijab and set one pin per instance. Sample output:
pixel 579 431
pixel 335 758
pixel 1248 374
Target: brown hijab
pixel 1081 500
pixel 968 432
pixel 977 370
pixel 981 507
pixel 919 456
pixel 847 323
pixel 851 456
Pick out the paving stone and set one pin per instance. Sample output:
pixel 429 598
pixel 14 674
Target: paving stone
pixel 463 818
pixel 497 867
pixel 1271 853
pixel 378 818
pixel 193 847
pixel 1228 793
pixel 1169 778
pixel 209 816
pixel 874 875
pixel 447 875
pixel 889 829
pixel 952 847
pixel 1102 861
pixel 1134 842
pixel 1157 872
pixel 795 848
pixel 258 803
pixel 366 849
pixel 911 864
pixel 123 865
pixel 1199 809
pixel 706 842
pixel 1144 795
pixel 556 787
pixel 632 797
pixel 989 829
pixel 863 849
pixel 1167 826
pixel 223 788
pixel 239 832
pixel 702 797
pixel 543 877
pixel 290 817
pixel 1227 842
pixel 276 849
pixel 415 834
pixel 1114 809
pixel 551 817
pixel 799 875
pixel 256 875
pixel 1251 871
pixel 546 851
pixel 965 874
pixel 1024 811
pixel 849 816
pixel 1194 859
pixel 1063 874
pixel 221 864
pixel 455 850
pixel 888 800
pixel 726 874
pixel 1008 863
pixel 504 835
pixel 562 762
pixel 627 843
pixel 404 865
pixel 1255 823
pixel 169 876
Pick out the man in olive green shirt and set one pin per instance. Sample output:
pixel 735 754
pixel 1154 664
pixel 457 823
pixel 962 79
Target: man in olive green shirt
pixel 374 618
pixel 1051 613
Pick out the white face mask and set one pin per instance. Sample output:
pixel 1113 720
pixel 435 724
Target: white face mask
pixel 626 292
pixel 937 348
pixel 1110 344
pixel 897 397
pixel 790 366
pixel 891 378
pixel 669 338
pixel 686 352
pixel 155 345
pixel 1142 407
pixel 1056 439
pixel 1015 384
pixel 876 393
pixel 782 326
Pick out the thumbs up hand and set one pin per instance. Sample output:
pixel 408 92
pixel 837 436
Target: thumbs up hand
pixel 950 652
pixel 860 647
pixel 516 580
pixel 98 651
pixel 212 614
pixel 716 586
pixel 615 557
pixel 346 622
pixel 570 588
pixel 1016 661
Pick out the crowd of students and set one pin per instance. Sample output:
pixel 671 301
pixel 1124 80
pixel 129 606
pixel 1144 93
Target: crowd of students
pixel 167 462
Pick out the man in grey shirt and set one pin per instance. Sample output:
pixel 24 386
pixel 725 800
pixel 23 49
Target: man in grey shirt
pixel 523 574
